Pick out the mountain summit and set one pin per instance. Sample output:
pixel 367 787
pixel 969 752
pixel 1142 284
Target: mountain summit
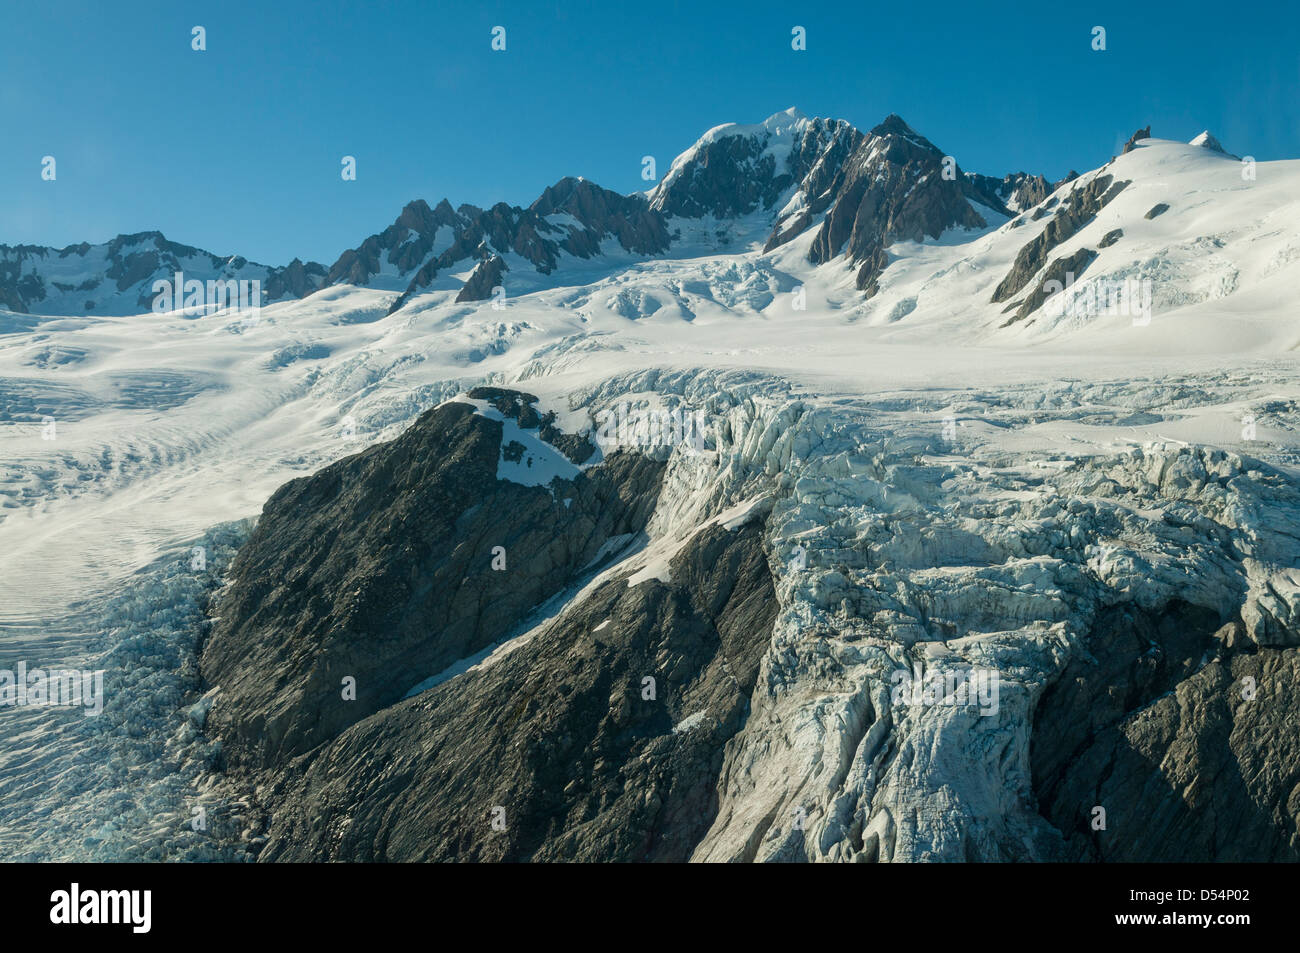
pixel 758 185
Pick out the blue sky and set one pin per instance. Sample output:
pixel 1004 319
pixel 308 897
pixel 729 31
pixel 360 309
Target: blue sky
pixel 237 149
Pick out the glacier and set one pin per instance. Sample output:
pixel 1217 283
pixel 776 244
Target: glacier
pixel 963 493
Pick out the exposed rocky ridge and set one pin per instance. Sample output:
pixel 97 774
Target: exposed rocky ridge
pixel 1016 191
pixel 582 764
pixel 1137 137
pixel 895 190
pixel 116 277
pixel 380 566
pixel 1207 141
pixel 737 170
pixel 572 217
pixel 862 192
pixel 487 275
pixel 1201 757
pixel 939 782
pixel 1080 207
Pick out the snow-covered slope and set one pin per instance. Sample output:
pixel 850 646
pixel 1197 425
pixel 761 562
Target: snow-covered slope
pixel 937 459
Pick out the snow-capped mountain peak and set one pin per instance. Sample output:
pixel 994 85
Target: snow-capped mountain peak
pixel 1206 140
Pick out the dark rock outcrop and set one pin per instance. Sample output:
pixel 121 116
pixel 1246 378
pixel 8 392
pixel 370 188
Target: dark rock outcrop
pixel 1137 137
pixel 380 568
pixel 558 740
pixel 1158 209
pixel 1079 208
pixel 573 216
pixel 734 175
pixel 518 406
pixel 1016 191
pixel 295 280
pixel 894 190
pixel 1191 760
pixel 1064 272
pixel 487 274
pixel 1207 141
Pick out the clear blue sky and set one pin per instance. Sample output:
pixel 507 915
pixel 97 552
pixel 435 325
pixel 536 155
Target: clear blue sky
pixel 237 149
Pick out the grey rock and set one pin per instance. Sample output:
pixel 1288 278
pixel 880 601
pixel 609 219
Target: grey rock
pixel 1079 208
pixel 379 567
pixel 1137 137
pixel 557 733
pixel 1059 271
pixel 1185 767
pixel 487 274
pixel 894 191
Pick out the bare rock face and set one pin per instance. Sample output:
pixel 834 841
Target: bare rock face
pixel 379 568
pixel 737 173
pixel 1061 271
pixel 487 274
pixel 868 190
pixel 895 190
pixel 571 217
pixel 599 739
pixel 1136 138
pixel 295 280
pixel 1079 208
pixel 1016 191
pixel 1188 761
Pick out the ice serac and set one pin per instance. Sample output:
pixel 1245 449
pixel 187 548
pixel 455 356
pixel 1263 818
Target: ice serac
pixel 1112 595
pixel 863 191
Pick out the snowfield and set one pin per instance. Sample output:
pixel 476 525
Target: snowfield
pixel 998 481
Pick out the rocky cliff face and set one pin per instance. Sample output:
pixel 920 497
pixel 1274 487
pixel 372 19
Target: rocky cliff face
pixel 605 731
pixel 572 217
pixel 1078 209
pixel 380 569
pixel 897 188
